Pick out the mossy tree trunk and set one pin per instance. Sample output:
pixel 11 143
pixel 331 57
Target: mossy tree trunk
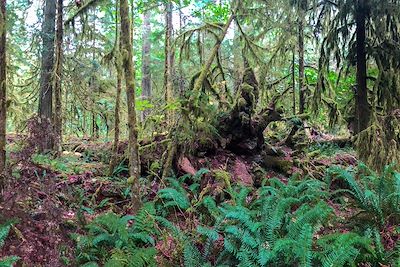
pixel 58 79
pixel 207 65
pixel 46 77
pixel 146 73
pixel 294 82
pixel 301 63
pixel 114 156
pixel 362 106
pixel 169 57
pixel 3 90
pixel 237 64
pixel 127 59
pixel 118 67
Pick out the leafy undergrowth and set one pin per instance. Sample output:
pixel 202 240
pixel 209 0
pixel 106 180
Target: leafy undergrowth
pixel 33 199
pixel 295 224
pixel 227 211
pixel 42 197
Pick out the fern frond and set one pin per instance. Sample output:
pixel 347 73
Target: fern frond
pixel 192 256
pixel 142 257
pixel 210 233
pixel 9 261
pixel 349 178
pixel 174 198
pixel 4 231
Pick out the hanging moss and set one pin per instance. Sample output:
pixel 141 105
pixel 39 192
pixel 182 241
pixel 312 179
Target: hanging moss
pixel 379 145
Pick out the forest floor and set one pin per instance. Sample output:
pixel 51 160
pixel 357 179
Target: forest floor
pixel 50 199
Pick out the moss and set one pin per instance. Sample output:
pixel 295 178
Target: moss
pixel 379 145
pixel 247 88
pixel 277 163
pixel 314 153
pixel 225 177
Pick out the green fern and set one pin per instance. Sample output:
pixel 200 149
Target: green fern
pixel 341 249
pixel 192 256
pixel 376 195
pixel 7 261
pixel 174 196
pixel 132 257
pixel 119 241
pixel 4 231
pixel 267 232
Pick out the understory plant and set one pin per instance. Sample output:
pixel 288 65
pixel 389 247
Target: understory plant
pixel 278 224
pixel 7 261
pixel 376 198
pixel 281 225
pixel 112 240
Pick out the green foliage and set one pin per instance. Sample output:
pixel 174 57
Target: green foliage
pixel 376 195
pixel 9 260
pixel 68 164
pixel 278 224
pixel 377 199
pixel 327 149
pixel 174 196
pixel 119 241
pixel 275 226
pixel 121 167
pixel 342 248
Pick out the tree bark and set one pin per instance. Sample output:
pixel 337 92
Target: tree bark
pixel 301 65
pixel 294 83
pixel 46 81
pixel 127 53
pixel 237 58
pixel 3 89
pixel 114 156
pixel 169 56
pixel 118 67
pixel 146 74
pixel 362 106
pixel 93 86
pixel 58 78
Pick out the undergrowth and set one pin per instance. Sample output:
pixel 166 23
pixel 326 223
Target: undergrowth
pixel 68 164
pixel 277 224
pixel 377 200
pixel 112 240
pixel 7 261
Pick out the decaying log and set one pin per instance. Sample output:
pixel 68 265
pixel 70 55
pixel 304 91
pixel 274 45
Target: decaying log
pixel 277 163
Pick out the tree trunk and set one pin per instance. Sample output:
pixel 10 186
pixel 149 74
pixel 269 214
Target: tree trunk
pixel 146 74
pixel 58 79
pixel 93 86
pixel 237 59
pixel 301 65
pixel 3 90
pixel 46 81
pixel 95 127
pixel 294 82
pixel 181 76
pixel 206 67
pixel 127 53
pixel 362 106
pixel 114 156
pixel 118 67
pixel 169 56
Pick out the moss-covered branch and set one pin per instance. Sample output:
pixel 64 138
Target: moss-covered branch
pixel 82 10
pixel 206 67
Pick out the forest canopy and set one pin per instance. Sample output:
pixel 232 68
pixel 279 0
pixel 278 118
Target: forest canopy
pixel 199 133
